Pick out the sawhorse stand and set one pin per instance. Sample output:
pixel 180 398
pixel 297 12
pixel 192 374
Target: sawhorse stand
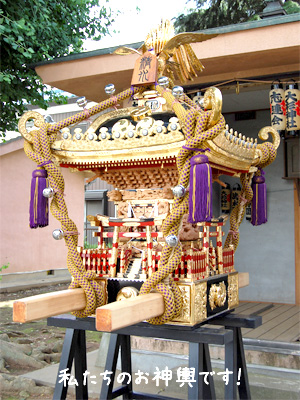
pixel 230 336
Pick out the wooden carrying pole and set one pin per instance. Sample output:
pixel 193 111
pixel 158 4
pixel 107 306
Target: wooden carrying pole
pixel 124 313
pixel 108 318
pixel 48 305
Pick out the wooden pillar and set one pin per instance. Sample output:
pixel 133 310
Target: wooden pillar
pixel 182 274
pixel 297 239
pixel 189 263
pixel 149 248
pixel 219 250
pixel 206 243
pixel 100 237
pixel 114 253
pixel 104 259
pixel 122 262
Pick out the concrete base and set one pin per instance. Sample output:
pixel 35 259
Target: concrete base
pixel 25 280
pixel 264 353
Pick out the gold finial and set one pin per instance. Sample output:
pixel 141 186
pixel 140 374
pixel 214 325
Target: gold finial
pixel 176 58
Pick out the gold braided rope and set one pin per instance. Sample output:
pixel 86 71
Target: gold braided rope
pixel 38 148
pixel 268 151
pixel 197 128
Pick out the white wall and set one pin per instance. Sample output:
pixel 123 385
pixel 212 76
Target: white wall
pixel 23 248
pixel 267 251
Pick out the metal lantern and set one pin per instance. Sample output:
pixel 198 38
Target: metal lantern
pixel 277 107
pixel 292 101
pixel 236 191
pixel 58 234
pixel 248 211
pixel 225 199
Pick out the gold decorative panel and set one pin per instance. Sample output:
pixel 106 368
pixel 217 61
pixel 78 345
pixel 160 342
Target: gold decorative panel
pixel 233 290
pixel 185 315
pixel 200 302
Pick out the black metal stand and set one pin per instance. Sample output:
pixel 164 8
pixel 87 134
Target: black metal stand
pixel 199 338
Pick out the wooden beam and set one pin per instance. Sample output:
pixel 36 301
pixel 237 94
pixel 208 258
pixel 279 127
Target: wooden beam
pixel 243 279
pixel 48 305
pixel 109 317
pixel 124 313
pixel 297 239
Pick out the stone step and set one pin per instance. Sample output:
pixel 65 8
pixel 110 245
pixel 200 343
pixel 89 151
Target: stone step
pixel 13 282
pixel 259 352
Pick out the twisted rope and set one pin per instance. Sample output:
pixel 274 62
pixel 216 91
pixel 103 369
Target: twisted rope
pixel 197 129
pixel 238 212
pixel 268 156
pixel 40 152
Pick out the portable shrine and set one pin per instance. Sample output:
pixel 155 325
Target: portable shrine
pixel 162 155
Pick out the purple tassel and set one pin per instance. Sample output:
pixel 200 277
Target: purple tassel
pixel 259 201
pixel 200 199
pixel 38 208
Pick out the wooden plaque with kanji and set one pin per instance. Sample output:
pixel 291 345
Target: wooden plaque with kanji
pixel 145 70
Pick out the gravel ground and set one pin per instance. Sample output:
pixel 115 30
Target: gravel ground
pixel 34 345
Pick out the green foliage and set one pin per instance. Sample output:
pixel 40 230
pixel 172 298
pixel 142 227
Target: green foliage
pixel 213 13
pixel 291 7
pixel 4 266
pixel 88 245
pixel 39 30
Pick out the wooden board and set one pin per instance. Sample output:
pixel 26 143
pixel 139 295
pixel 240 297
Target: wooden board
pixel 124 313
pixel 274 327
pixel 243 279
pixel 145 70
pixel 271 318
pixel 137 309
pixel 290 335
pixel 48 305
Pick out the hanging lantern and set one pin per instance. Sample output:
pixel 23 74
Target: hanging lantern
pixel 248 212
pixel 277 107
pixel 225 199
pixel 292 101
pixel 236 191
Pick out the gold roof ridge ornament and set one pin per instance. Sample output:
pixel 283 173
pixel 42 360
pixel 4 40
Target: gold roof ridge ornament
pixel 162 43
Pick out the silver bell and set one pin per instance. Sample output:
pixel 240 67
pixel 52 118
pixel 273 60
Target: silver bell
pixel 110 89
pixel 58 234
pixel 81 102
pixel 177 91
pixel 178 191
pixel 163 81
pixel 48 192
pixel 201 102
pixel 48 118
pixel 172 240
